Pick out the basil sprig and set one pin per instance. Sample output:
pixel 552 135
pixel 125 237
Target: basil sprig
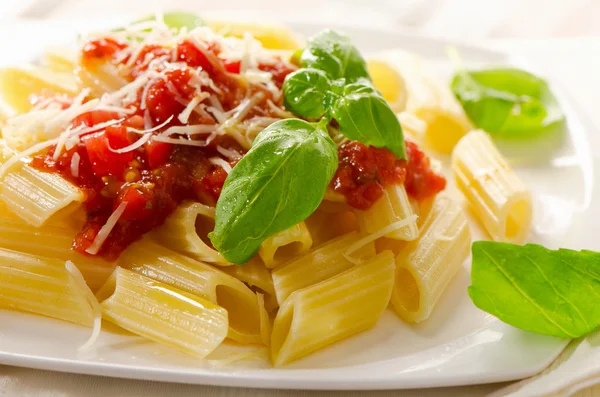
pixel 536 289
pixel 334 83
pixel 277 184
pixel 507 102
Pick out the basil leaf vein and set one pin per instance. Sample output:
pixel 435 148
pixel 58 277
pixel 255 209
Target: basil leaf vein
pixel 536 289
pixel 277 184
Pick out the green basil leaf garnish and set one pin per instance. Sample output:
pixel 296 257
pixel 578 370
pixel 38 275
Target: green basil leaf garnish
pixel 277 184
pixel 507 102
pixel 334 82
pixel 364 115
pixel 536 289
pixel 334 54
pixel 304 93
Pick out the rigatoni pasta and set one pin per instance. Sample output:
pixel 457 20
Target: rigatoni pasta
pixel 53 242
pixel 324 313
pixel 44 286
pixel 425 267
pixel 185 230
pixel 319 264
pixel 160 263
pixel 163 313
pixel 285 245
pixel 392 207
pixel 498 197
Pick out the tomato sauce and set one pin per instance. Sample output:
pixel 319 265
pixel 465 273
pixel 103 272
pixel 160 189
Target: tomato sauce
pixel 365 171
pixel 156 177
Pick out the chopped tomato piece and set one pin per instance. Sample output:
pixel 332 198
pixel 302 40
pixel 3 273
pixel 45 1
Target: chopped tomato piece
pixel 279 70
pixel 146 55
pixel 162 100
pixel 233 67
pixel 157 153
pixel 104 161
pixel 188 52
pixel 102 48
pixel 94 117
pixel 139 202
pixel 117 136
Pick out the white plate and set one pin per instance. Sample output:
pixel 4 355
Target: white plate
pixel 458 345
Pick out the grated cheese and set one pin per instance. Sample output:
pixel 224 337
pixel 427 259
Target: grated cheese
pixel 185 114
pixel 196 129
pixel 106 229
pixel 140 142
pixel 182 141
pixel 378 234
pixel 221 163
pixel 79 281
pixel 230 154
pixel 75 164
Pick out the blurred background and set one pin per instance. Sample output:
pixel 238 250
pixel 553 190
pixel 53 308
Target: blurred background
pixel 467 19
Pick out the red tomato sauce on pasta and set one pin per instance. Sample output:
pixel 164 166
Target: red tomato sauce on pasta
pixel 365 171
pixel 154 178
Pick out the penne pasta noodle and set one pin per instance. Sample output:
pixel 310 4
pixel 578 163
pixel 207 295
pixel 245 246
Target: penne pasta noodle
pixel 271 36
pixel 43 286
pixel 327 312
pixel 17 85
pixel 389 82
pixel 162 313
pixel 160 263
pixel 325 226
pixel 285 245
pixel 254 274
pixel 53 242
pixel 186 231
pixel 392 207
pixel 318 265
pixel 35 196
pixel 99 77
pixel 425 267
pixel 59 60
pixel 499 199
pixel 430 100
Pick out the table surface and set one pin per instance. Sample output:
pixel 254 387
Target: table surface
pixel 536 21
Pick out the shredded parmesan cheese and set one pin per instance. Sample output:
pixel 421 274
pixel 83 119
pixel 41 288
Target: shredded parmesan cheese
pixel 145 138
pixel 185 114
pixel 380 233
pixel 75 164
pixel 106 229
pixel 230 154
pixel 221 163
pixel 94 305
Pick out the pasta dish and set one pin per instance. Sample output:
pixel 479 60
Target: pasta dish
pixel 199 182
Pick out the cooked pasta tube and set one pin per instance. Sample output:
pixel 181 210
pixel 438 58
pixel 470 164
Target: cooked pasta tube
pixel 44 286
pixel 332 310
pixel 161 264
pixel 285 245
pixel 430 100
pixel 59 60
pixel 325 226
pixel 53 242
pixel 389 82
pixel 33 195
pixel 271 36
pixel 162 313
pixel 186 230
pixel 319 264
pixel 498 197
pixel 392 207
pixel 425 267
pixel 17 85
pixel 254 274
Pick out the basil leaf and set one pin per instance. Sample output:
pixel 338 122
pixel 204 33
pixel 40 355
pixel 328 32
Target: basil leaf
pixel 536 289
pixel 304 92
pixel 277 184
pixel 365 116
pixel 507 102
pixel 334 54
